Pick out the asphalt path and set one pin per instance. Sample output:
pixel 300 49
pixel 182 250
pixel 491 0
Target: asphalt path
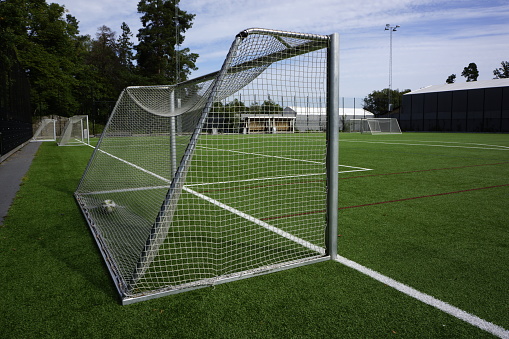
pixel 12 171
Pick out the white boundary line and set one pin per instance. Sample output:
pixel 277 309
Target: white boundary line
pixel 494 147
pixel 359 169
pixel 429 300
pixel 259 222
pixel 263 155
pixel 446 142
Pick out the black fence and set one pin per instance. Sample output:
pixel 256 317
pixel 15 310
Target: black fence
pixel 15 111
pixel 474 110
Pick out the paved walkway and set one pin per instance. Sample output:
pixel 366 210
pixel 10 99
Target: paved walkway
pixel 12 171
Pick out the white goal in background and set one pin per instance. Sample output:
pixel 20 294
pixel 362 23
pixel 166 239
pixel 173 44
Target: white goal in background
pixel 76 132
pixel 375 126
pixel 178 197
pixel 46 131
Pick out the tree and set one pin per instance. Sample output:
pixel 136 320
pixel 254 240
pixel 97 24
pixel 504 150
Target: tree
pixel 502 72
pixel 270 107
pixel 470 72
pixel 46 42
pixel 125 47
pixel 376 101
pixel 164 24
pixel 451 79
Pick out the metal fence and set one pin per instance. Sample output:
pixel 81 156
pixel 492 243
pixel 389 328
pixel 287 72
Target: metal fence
pixel 15 112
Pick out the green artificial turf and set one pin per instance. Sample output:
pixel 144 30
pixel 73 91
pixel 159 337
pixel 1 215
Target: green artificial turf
pixel 432 217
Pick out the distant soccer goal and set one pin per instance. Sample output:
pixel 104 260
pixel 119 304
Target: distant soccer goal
pixel 179 197
pixel 375 126
pixel 76 132
pixel 46 131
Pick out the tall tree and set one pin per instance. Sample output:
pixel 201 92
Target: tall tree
pixel 502 72
pixel 106 64
pixel 451 79
pixel 49 49
pixel 376 101
pixel 470 72
pixel 164 25
pixel 125 47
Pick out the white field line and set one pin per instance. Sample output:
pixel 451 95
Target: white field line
pixel 494 147
pixel 450 142
pixel 133 165
pixel 429 300
pixel 263 155
pixel 259 222
pixel 357 169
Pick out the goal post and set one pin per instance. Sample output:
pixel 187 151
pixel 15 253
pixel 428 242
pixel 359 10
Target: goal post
pixel 382 126
pixel 46 131
pixel 76 132
pixel 178 197
pixel 375 126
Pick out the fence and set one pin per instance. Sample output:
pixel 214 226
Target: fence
pixel 15 112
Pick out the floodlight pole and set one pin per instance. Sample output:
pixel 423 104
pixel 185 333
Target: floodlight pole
pixel 391 29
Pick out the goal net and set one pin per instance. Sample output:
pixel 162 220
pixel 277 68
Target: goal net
pixel 46 131
pixel 375 126
pixel 75 132
pixel 179 197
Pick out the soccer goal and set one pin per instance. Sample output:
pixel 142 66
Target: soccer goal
pixel 46 131
pixel 178 197
pixel 75 132
pixel 375 126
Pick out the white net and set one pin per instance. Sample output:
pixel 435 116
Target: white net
pixel 46 131
pixel 380 126
pixel 208 180
pixel 76 132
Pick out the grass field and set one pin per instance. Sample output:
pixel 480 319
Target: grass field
pixel 430 213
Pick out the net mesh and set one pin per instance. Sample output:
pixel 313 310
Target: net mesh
pixel 75 132
pixel 380 126
pixel 46 131
pixel 209 179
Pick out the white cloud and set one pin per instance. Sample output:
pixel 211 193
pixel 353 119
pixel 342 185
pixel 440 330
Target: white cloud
pixel 436 38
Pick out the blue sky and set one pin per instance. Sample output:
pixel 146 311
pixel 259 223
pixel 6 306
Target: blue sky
pixel 436 38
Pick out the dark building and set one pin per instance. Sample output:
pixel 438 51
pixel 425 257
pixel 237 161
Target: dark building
pixel 477 106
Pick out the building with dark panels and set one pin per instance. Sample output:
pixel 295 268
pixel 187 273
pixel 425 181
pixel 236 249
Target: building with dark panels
pixel 478 106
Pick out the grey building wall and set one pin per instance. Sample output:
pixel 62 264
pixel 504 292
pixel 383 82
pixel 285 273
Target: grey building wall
pixel 467 110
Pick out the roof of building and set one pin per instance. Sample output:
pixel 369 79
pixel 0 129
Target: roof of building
pixel 322 111
pixel 461 86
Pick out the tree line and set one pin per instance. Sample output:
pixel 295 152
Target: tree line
pixel 71 73
pixel 471 73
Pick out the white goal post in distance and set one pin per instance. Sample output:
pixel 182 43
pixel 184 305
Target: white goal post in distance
pixel 46 131
pixel 375 126
pixel 178 197
pixel 76 132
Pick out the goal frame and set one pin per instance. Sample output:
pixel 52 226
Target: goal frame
pixel 69 137
pixel 180 170
pixel 45 124
pixel 373 126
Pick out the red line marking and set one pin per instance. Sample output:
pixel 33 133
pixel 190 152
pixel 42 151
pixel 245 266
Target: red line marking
pixel 385 202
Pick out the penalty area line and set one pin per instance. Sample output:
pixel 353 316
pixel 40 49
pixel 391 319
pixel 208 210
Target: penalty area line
pixel 428 299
